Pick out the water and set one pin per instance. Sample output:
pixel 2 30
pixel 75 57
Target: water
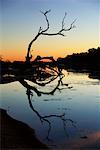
pixel 69 115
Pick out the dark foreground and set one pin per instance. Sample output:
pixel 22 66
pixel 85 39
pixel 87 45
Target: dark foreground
pixel 17 135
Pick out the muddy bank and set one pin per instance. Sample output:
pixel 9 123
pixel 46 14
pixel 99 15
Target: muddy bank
pixel 16 134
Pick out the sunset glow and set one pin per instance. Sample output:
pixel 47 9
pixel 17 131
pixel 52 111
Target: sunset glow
pixel 21 19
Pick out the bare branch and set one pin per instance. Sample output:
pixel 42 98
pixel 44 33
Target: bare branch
pixel 71 26
pixel 47 11
pixel 63 20
pixel 45 14
pixel 40 29
pixel 60 32
pixel 44 32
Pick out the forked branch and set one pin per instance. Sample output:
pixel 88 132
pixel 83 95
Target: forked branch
pixel 42 31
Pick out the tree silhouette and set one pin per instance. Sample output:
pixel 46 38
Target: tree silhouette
pixel 42 31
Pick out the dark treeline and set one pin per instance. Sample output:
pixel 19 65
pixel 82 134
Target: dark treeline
pixel 8 67
pixel 82 61
pixel 89 61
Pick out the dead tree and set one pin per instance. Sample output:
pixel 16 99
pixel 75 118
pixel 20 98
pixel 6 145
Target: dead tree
pixel 42 31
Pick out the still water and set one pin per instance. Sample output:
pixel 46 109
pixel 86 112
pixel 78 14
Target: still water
pixel 67 117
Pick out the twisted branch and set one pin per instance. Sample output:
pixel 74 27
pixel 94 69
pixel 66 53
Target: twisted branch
pixel 44 32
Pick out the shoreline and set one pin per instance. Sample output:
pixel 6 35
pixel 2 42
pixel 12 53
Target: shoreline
pixel 17 135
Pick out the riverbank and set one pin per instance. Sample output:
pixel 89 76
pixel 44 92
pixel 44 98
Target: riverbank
pixel 17 135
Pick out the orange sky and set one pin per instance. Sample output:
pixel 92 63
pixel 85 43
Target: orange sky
pixel 56 47
pixel 21 22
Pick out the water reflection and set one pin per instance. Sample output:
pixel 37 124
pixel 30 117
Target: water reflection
pixel 45 118
pixel 91 141
pixel 80 95
pixel 23 80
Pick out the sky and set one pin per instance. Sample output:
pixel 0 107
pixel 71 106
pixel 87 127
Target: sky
pixel 20 21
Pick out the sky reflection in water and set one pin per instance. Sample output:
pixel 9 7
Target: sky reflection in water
pixel 80 103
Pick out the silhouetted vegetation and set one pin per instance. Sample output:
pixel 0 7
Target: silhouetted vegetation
pixel 83 62
pixel 42 73
pixel 44 31
pixel 37 68
pixel 40 70
pixel 88 60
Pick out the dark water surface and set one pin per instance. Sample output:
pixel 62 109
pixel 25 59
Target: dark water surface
pixel 74 110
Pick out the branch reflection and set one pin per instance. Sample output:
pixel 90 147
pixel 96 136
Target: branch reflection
pixel 43 80
pixel 46 118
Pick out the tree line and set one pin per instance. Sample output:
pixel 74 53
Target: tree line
pixel 89 60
